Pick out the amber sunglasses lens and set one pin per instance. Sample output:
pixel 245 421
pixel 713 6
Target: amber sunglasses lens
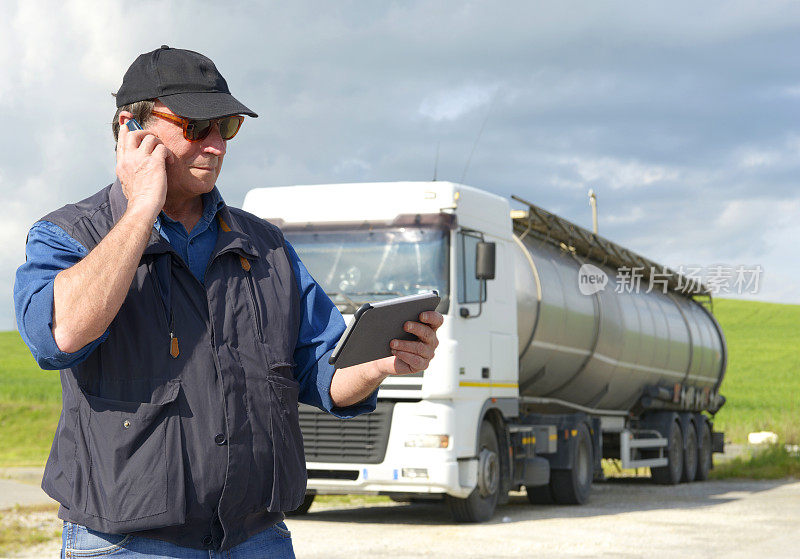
pixel 198 129
pixel 229 126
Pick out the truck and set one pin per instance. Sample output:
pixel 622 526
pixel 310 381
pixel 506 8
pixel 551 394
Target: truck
pixel 559 348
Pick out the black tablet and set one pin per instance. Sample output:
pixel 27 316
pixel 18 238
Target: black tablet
pixel 375 325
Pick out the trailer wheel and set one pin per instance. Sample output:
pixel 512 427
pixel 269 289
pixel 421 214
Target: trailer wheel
pixel 480 504
pixel 539 495
pixel 304 506
pixel 704 448
pixel 690 451
pixel 573 486
pixel 672 472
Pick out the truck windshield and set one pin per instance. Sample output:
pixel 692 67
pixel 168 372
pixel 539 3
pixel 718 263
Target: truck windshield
pixel 358 266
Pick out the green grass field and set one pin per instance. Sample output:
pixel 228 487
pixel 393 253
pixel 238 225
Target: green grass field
pixel 30 402
pixel 24 527
pixel 762 384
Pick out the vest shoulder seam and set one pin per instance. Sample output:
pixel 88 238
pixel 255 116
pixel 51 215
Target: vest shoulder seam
pixel 255 220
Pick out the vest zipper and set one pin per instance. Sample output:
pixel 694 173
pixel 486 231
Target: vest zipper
pixel 251 287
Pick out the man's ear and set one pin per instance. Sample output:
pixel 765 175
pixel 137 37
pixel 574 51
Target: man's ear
pixel 124 116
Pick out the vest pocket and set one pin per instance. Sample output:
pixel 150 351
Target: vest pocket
pixel 254 299
pixel 129 462
pixel 289 481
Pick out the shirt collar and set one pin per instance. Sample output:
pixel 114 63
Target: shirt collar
pixel 212 203
pixel 231 236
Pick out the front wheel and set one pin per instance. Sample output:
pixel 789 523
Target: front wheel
pixel 480 505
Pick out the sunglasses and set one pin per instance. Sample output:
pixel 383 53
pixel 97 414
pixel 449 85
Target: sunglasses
pixel 196 130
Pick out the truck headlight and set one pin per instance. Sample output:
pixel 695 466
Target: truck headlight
pixel 428 441
pixel 414 473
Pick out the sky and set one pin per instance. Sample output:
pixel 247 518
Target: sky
pixel 682 116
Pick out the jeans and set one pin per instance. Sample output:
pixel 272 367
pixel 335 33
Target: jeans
pixel 79 541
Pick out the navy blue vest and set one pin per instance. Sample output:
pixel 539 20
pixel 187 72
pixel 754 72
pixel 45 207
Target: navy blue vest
pixel 183 423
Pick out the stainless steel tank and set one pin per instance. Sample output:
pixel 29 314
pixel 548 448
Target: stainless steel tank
pixel 601 350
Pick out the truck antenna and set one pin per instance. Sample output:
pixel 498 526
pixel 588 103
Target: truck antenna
pixel 436 162
pixel 593 204
pixel 474 145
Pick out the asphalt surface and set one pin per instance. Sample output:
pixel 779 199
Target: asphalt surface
pixel 21 486
pixel 625 518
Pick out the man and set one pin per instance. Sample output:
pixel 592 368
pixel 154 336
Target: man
pixel 186 332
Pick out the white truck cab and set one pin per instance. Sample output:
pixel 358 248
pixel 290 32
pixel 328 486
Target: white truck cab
pixel 363 242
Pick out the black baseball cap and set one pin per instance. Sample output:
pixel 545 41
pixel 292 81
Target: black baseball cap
pixel 185 81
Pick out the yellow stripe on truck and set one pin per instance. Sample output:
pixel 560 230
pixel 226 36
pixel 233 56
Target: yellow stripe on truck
pixel 489 384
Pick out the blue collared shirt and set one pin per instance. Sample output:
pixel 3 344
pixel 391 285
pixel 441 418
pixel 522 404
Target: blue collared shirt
pixel 49 250
pixel 196 246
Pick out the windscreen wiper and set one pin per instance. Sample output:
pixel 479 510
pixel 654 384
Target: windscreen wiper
pixel 375 293
pixel 347 299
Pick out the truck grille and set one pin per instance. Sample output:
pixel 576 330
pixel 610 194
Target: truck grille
pixel 361 439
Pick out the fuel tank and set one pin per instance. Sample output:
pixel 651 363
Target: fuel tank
pixel 602 350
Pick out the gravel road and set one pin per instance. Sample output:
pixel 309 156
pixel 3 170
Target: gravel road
pixel 623 519
pixel 626 518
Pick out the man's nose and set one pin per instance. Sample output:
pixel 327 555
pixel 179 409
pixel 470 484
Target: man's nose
pixel 213 143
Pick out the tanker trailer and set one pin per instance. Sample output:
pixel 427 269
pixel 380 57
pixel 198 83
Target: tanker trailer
pixel 549 359
pixel 645 362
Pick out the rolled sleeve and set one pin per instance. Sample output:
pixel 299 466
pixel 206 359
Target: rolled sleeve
pixel 48 251
pixel 321 326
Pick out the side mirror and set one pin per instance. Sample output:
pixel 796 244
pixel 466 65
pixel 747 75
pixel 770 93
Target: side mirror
pixel 484 261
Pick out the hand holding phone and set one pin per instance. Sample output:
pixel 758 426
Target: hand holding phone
pixel 141 167
pixel 133 125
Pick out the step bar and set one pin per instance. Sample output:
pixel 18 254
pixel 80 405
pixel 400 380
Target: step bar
pixel 631 442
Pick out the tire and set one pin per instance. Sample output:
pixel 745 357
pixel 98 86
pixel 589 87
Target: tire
pixel 540 495
pixel 480 505
pixel 703 448
pixel 690 452
pixel 671 473
pixel 304 506
pixel 574 485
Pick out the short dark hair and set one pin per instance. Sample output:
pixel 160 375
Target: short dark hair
pixel 141 110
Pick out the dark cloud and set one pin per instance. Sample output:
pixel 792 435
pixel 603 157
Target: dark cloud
pixel 682 118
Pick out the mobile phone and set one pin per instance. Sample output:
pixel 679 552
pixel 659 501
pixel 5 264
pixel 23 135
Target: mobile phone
pixel 133 124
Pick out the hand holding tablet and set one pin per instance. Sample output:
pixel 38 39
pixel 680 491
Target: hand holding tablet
pixel 375 325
